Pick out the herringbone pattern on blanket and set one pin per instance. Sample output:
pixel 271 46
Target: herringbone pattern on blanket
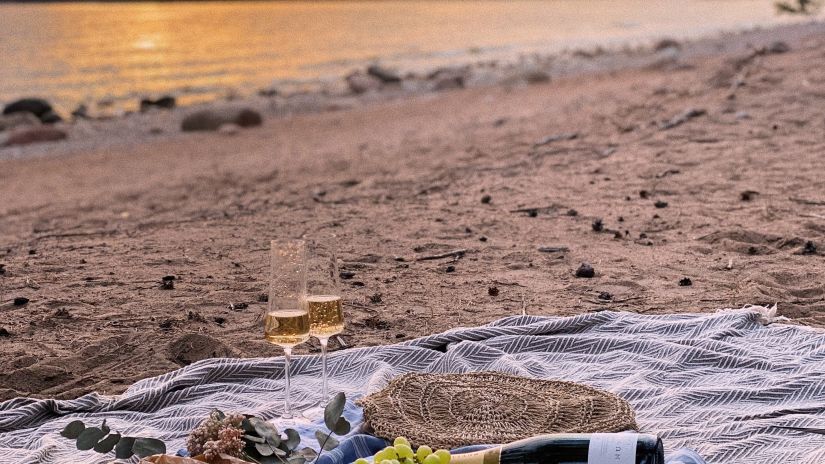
pixel 719 383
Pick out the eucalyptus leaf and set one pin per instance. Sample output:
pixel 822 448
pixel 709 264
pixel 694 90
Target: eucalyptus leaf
pixel 280 452
pixel 334 409
pixel 73 429
pixel 88 438
pixel 108 443
pixel 293 439
pixel 144 447
pixel 308 453
pixel 246 424
pixel 123 449
pixel 267 431
pixel 264 449
pixel 296 460
pixel 269 460
pixel 326 440
pixel 104 427
pixel 254 439
pixel 342 427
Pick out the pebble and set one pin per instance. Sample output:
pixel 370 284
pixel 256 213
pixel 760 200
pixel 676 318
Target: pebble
pixel 809 249
pixel 778 47
pixel 644 194
pixel 212 119
pixel 685 282
pixel 376 298
pixel 660 204
pixel 238 306
pixel 605 296
pixel 597 225
pixel 383 74
pixel 165 102
pixel 572 212
pixel 492 291
pixel 585 271
pixel 4 332
pixel 36 106
pixel 219 320
pixel 21 301
pixel 360 82
pixel 450 269
pixel 34 134
pixel 346 275
pixel 748 195
pixel 486 199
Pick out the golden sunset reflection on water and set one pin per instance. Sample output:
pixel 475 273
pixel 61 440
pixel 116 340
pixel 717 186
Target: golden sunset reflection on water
pixel 120 51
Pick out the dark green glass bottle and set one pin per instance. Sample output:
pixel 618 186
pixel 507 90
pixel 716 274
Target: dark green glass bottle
pixel 573 448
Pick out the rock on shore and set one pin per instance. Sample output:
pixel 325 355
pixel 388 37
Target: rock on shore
pixel 212 119
pixel 36 106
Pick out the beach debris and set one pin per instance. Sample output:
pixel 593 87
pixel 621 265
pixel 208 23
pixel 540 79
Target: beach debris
pixel 166 102
pixel 357 283
pixel 346 275
pixel 556 138
pixel 238 306
pixel 748 195
pixel 212 119
pixel 486 199
pixel 447 79
pixel 536 76
pixel 685 282
pixel 263 297
pixel 644 194
pixel 62 313
pixel 2 269
pixel 572 212
pixel 492 291
pixel 385 75
pixel 81 112
pixel 167 282
pixel 667 43
pixel 808 249
pixel 34 134
pixel 482 239
pixel 195 316
pixel 597 225
pixel 554 249
pixel 449 269
pixel 606 296
pixel 166 324
pixel 450 254
pixel 10 121
pixel 585 271
pixel 4 332
pixel 682 118
pixel 21 301
pixel 219 320
pixel 36 106
pixel 376 298
pixel 660 204
pixel 360 82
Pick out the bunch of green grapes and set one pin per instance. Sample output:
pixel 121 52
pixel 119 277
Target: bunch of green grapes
pixel 402 453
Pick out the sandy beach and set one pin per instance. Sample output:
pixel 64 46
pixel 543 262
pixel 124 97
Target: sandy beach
pixel 690 181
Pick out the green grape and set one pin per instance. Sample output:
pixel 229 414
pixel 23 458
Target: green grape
pixel 386 461
pixel 390 452
pixel 404 451
pixel 381 456
pixel 423 452
pixel 443 456
pixel 431 459
pixel 401 441
pixel 361 461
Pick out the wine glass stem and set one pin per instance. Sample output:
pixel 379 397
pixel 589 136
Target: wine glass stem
pixel 287 403
pixel 324 389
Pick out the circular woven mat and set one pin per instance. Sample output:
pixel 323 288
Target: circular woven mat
pixel 450 410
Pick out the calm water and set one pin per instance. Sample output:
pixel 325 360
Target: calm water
pixel 118 52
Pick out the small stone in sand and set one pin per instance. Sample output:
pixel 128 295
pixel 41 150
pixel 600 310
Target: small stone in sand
pixel 685 282
pixel 533 213
pixel 486 199
pixel 238 306
pixel 643 194
pixel 4 332
pixel 167 282
pixel 346 275
pixel 482 239
pixel 660 204
pixel 219 320
pixel 165 102
pixel 492 291
pixel 36 106
pixel 585 271
pixel 572 212
pixel 450 269
pixel 809 249
pixel 21 301
pixel 376 298
pixel 597 225
pixel 212 119
pixel 778 47
pixel 383 74
pixel 359 82
pixel 605 296
pixel 748 195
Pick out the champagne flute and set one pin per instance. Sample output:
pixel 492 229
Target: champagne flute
pixel 286 322
pixel 326 315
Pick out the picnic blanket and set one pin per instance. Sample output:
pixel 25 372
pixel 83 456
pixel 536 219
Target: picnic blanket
pixel 723 384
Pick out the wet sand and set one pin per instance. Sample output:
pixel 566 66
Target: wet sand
pixel 704 170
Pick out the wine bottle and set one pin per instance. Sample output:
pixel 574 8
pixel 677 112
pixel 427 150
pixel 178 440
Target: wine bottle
pixel 573 448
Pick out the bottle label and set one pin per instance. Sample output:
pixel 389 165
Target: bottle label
pixel 488 456
pixel 612 448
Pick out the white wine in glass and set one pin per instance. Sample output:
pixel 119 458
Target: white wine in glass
pixel 325 315
pixel 286 321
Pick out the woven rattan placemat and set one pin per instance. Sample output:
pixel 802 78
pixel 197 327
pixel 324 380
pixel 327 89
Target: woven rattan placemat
pixel 450 410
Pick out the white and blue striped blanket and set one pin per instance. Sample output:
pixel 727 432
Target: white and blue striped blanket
pixel 723 384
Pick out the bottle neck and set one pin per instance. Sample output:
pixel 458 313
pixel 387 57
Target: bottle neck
pixel 487 456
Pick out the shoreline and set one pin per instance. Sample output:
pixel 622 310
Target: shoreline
pixel 139 126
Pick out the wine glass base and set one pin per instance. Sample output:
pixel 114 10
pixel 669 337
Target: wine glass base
pixel 315 413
